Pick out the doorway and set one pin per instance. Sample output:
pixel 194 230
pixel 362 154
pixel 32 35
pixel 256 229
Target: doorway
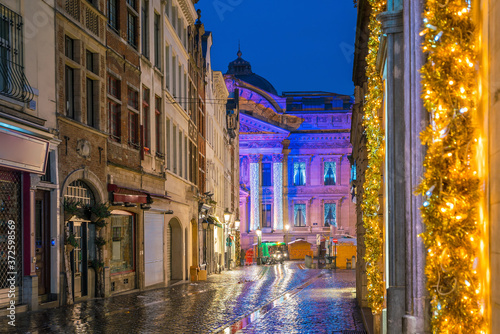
pixel 153 248
pixel 42 244
pixel 176 250
pixel 78 259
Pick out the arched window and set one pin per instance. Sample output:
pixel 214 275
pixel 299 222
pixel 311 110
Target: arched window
pixel 79 191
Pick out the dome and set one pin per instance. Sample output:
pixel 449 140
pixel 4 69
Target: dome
pixel 242 70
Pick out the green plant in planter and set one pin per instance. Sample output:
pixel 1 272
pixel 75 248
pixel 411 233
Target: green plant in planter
pixel 100 241
pixel 71 208
pixel 100 223
pixel 97 264
pixel 71 241
pixel 99 211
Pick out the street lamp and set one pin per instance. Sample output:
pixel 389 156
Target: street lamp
pixel 259 234
pixel 237 224
pixel 227 216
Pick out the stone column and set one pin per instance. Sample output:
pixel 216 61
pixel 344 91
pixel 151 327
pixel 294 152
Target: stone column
pixel 254 191
pixel 392 27
pixel 418 317
pixel 278 191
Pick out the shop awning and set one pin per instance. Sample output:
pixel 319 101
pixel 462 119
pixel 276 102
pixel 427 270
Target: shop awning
pixel 214 220
pixel 125 195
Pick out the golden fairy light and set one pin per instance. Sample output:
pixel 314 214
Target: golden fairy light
pixel 373 175
pixel 451 185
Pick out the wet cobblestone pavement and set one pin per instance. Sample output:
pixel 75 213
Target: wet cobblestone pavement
pixel 265 299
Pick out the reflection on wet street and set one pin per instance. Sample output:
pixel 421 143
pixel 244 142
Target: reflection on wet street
pixel 255 299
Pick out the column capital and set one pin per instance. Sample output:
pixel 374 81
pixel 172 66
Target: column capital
pixel 392 21
pixel 278 157
pixel 254 158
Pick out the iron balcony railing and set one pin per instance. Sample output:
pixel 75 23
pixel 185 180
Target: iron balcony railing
pixel 13 82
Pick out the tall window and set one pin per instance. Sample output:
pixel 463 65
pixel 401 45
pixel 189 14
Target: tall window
pixel 167 145
pixel 91 104
pixel 131 28
pixel 267 214
pixel 158 134
pixel 145 28
pixel 113 14
pixel 180 154
pixel 122 244
pixel 70 92
pixel 353 171
pixel 89 57
pixel 330 214
pixel 299 212
pixel 114 108
pixel 69 48
pixel 133 121
pixel 133 117
pixel 329 173
pixel 145 116
pixel 174 76
pixel 157 40
pixel 266 174
pixel 299 173
pixel 174 149
pixel 167 66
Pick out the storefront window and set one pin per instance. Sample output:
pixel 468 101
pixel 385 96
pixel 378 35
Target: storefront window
pixel 122 243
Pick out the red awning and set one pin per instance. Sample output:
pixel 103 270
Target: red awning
pixel 124 195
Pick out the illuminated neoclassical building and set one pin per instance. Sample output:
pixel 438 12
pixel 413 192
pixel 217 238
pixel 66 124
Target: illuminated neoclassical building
pixel 294 167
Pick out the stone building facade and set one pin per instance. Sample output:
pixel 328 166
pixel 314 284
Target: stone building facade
pixel 294 167
pixel 28 157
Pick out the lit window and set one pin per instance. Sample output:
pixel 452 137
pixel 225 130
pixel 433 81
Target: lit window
pixel 330 173
pixel 299 211
pixel 122 244
pixel 299 173
pixel 330 214
pixel 267 215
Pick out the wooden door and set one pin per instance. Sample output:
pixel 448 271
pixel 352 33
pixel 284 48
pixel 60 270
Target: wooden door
pixel 42 241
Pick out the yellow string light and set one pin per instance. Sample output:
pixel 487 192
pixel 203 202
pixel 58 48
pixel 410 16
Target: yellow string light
pixel 373 175
pixel 450 185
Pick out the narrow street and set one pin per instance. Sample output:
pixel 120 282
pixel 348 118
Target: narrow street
pixel 255 299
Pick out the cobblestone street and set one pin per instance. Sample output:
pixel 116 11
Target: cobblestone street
pixel 266 299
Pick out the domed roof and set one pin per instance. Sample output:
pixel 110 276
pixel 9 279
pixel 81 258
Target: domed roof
pixel 242 70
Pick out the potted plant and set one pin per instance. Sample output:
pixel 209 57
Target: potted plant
pixel 99 211
pixel 71 208
pixel 100 241
pixel 71 242
pixel 97 265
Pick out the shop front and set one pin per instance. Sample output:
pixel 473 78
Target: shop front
pixel 23 158
pixel 122 250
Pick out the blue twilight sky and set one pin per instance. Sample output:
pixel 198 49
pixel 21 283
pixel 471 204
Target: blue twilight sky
pixel 296 45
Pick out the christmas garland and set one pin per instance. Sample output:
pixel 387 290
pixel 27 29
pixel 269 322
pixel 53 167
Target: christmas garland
pixel 373 176
pixel 451 185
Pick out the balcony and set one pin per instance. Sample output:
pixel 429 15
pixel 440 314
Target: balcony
pixel 13 82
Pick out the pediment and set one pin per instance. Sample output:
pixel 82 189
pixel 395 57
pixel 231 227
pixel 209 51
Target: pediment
pixel 251 125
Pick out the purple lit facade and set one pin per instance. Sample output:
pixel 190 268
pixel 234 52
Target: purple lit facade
pixel 294 167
